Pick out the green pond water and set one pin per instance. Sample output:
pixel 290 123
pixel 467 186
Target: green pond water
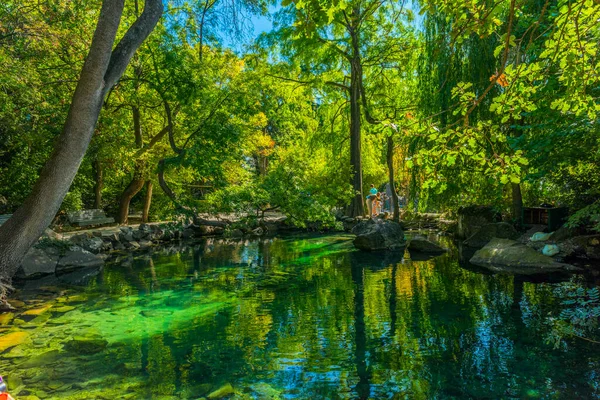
pixel 293 318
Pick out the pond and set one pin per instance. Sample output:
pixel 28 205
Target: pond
pixel 293 318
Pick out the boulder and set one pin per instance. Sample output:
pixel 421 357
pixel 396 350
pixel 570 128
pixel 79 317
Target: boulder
pixel 37 263
pixel 500 230
pixel 93 244
pixel 377 234
pixel 505 255
pixel 420 244
pixel 74 259
pixel 471 218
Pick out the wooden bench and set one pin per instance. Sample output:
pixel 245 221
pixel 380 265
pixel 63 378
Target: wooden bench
pixel 4 218
pixel 89 217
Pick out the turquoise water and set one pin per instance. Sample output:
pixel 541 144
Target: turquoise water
pixel 293 318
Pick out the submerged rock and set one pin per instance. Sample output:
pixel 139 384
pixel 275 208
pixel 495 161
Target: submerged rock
pixel 86 345
pixel 505 255
pixel 378 234
pixel 421 244
pixel 223 391
pixel 12 339
pixel 501 230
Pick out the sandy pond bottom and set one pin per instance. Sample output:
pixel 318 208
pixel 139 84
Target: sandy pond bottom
pixel 300 317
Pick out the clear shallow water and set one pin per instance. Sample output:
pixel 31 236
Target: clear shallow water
pixel 294 318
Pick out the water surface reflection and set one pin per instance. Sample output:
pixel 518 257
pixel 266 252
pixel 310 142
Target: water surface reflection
pixel 300 318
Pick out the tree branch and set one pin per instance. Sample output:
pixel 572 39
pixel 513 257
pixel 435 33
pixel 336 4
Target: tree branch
pixel 134 37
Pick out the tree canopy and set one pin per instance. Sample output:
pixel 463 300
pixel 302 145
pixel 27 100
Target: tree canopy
pixel 477 102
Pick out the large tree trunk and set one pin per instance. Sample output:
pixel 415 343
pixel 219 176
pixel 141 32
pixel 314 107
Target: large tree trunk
pixel 103 67
pixel 517 203
pixel 390 163
pixel 356 207
pixel 147 202
pixel 98 184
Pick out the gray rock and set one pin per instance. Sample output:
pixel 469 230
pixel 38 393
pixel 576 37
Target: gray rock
pixel 377 234
pixel 500 230
pixel 93 244
pixel 126 236
pixel 78 259
pixel 37 263
pixel 505 255
pixel 420 244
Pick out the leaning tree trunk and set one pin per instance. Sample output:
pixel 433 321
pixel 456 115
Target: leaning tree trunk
pixel 98 185
pixel 356 207
pixel 147 202
pixel 103 67
pixel 137 183
pixel 390 163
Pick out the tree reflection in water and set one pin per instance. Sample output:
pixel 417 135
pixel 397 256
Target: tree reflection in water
pixel 308 317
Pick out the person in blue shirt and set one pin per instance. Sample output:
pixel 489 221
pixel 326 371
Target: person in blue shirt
pixel 370 198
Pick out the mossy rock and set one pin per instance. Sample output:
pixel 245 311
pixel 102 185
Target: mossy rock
pixel 505 255
pixel 86 345
pixel 222 392
pixel 38 311
pixel 12 339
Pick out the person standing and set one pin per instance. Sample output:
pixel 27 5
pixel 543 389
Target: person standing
pixel 370 199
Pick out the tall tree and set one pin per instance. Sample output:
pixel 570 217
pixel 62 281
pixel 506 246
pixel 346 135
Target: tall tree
pixel 102 69
pixel 341 40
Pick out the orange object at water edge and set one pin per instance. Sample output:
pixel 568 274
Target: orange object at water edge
pixel 500 80
pixel 6 396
